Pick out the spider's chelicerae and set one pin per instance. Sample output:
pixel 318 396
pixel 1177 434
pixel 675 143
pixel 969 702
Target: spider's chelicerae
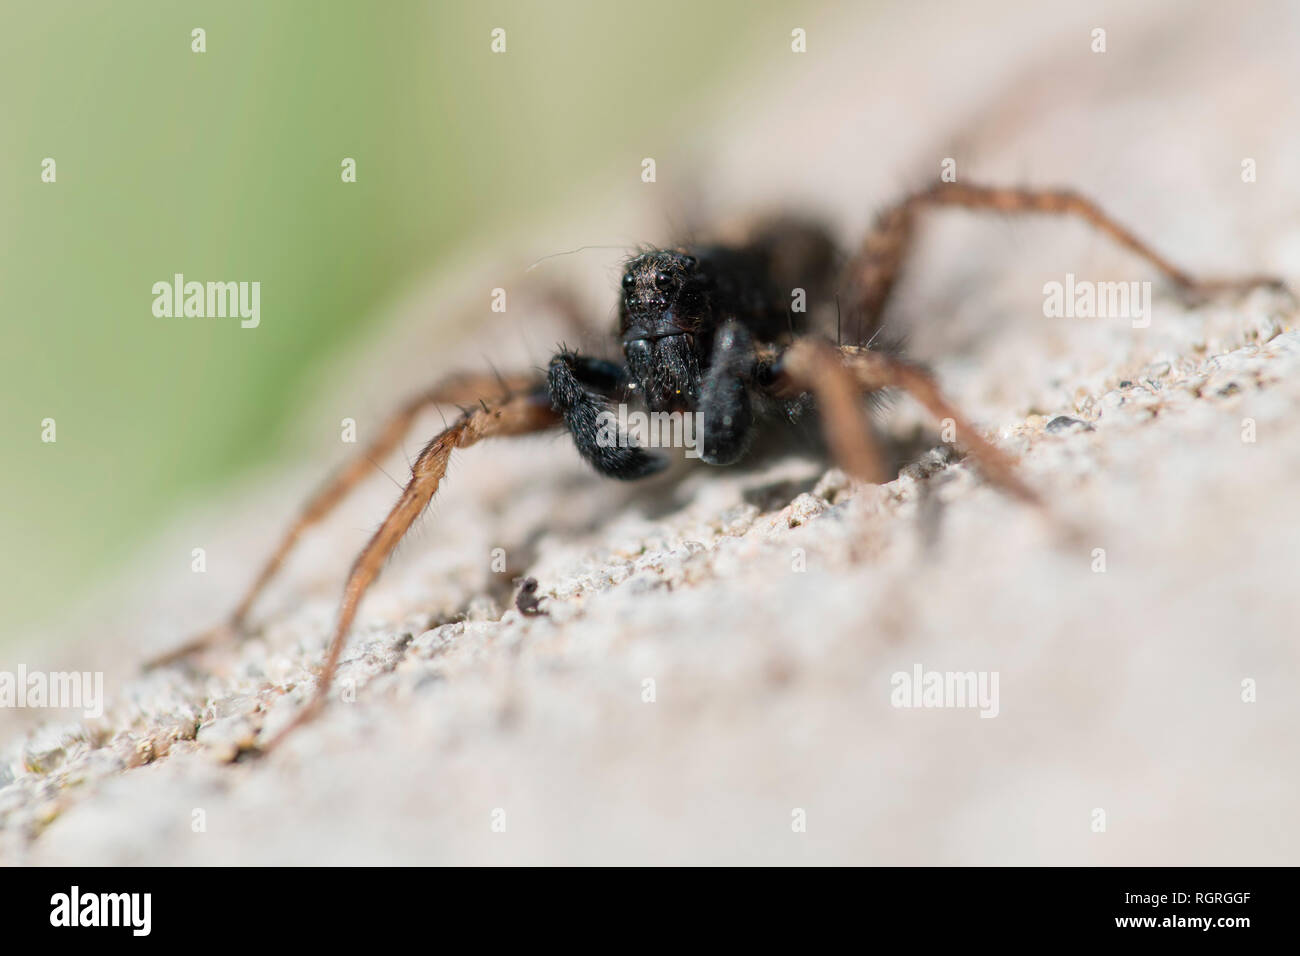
pixel 708 330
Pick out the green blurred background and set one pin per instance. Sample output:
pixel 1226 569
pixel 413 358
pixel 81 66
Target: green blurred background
pixel 225 166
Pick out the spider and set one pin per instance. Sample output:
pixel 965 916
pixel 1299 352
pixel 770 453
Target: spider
pixel 706 330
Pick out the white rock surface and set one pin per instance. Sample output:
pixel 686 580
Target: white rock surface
pixel 1119 690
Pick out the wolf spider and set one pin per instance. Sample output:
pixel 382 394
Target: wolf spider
pixel 704 329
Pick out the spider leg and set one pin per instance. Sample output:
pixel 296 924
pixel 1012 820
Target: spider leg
pixel 464 388
pixel 811 365
pixel 877 370
pixel 875 269
pixel 519 415
pixel 839 377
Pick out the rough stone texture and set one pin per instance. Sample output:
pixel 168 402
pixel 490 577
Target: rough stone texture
pixel 1119 690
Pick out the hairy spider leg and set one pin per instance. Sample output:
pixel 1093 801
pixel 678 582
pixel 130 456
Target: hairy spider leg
pixel 461 389
pixel 874 270
pixel 523 414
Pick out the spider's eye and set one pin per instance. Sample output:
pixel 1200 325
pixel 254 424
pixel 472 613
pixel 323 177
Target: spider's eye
pixel 663 280
pixel 629 281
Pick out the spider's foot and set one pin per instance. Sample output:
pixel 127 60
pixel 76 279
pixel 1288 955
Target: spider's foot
pixel 1197 293
pixel 226 633
pixel 304 716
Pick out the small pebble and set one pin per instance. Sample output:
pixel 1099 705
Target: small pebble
pixel 224 738
pixel 1062 423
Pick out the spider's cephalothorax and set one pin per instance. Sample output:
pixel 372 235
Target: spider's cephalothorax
pixel 676 302
pixel 709 331
pixel 689 324
pixel 666 321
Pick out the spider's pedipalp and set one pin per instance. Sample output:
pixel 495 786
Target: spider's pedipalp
pixel 523 414
pixel 724 396
pixel 578 387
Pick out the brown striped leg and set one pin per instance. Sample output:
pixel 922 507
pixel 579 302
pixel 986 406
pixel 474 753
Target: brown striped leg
pixel 520 415
pixel 465 389
pixel 875 269
pixel 813 366
pixel 873 272
pixel 876 370
pixel 838 378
